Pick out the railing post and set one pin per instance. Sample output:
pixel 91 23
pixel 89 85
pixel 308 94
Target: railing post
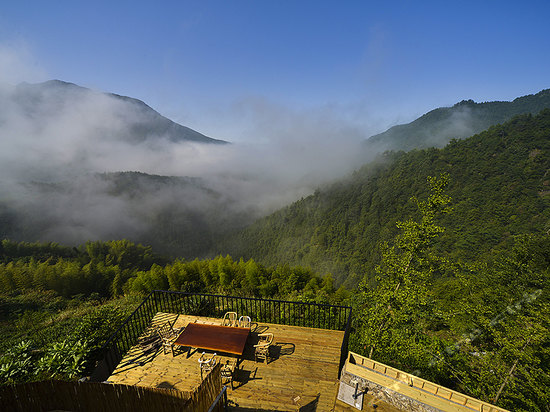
pixel 344 349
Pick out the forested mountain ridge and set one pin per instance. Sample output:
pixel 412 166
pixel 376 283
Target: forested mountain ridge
pixel 437 127
pixel 480 327
pixel 499 184
pixel 61 195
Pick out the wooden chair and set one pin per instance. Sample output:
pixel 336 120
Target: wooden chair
pixel 207 364
pixel 149 337
pixel 147 347
pixel 245 321
pixel 228 371
pixel 261 350
pixel 149 343
pixel 168 336
pixel 230 319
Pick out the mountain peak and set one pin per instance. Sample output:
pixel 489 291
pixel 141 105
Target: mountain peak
pixel 439 126
pixel 141 121
pixel 468 102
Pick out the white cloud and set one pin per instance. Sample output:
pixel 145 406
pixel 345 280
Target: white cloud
pixel 17 64
pixel 68 134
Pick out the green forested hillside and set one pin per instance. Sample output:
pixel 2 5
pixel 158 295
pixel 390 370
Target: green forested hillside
pixel 445 252
pixel 110 269
pixel 57 301
pixel 437 127
pixel 499 183
pixel 480 327
pixel 183 216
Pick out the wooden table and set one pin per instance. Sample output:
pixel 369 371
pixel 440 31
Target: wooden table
pixel 216 338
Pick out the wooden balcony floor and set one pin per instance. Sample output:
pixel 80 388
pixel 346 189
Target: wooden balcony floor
pixel 303 371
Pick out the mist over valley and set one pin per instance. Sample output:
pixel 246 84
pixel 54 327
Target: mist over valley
pixel 377 170
pixel 82 165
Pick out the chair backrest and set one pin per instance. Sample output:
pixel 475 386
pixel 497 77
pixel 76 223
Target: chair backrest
pixel 207 362
pixel 245 321
pixel 229 319
pixel 165 331
pixel 266 339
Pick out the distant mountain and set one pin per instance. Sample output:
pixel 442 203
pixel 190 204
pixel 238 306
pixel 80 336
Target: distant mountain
pixel 55 140
pixel 336 230
pixel 500 187
pixel 437 127
pixel 178 216
pixel 134 120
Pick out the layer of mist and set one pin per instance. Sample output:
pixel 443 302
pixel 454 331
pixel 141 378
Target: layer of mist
pixel 62 148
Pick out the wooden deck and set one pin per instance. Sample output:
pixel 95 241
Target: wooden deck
pixel 302 375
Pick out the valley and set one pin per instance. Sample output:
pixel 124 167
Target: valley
pixel 443 253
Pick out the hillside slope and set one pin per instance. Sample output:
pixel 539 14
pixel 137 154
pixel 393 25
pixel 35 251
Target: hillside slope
pixel 499 185
pixel 437 127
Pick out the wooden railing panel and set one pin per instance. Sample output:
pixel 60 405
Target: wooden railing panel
pixel 98 397
pixel 90 396
pixel 414 387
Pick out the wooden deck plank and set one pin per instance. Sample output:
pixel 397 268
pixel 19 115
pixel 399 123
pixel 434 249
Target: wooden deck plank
pixel 304 368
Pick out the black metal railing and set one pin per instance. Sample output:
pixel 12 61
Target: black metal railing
pixel 304 314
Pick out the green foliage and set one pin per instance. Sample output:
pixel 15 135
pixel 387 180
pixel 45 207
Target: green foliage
pixel 501 318
pixel 65 340
pixel 10 250
pixel 99 268
pixel 504 359
pixel 123 254
pixel 16 365
pixel 483 328
pixel 225 276
pixel 499 185
pixel 395 313
pixel 111 269
pixel 63 360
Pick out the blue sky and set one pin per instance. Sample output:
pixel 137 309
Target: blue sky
pixel 227 68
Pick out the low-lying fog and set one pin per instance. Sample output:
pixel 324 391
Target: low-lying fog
pixel 55 138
